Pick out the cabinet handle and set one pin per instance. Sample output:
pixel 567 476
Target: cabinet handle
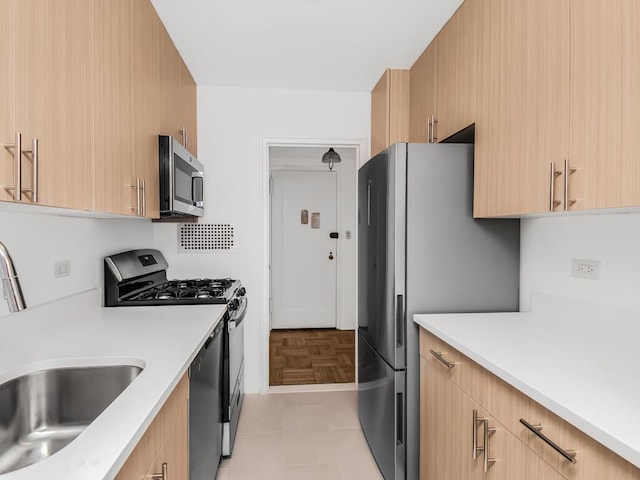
pixel 441 359
pixel 553 203
pixel 34 155
pixel 486 461
pixel 434 131
pixel 183 132
pixel 17 158
pixel 567 171
pixel 138 189
pixel 161 476
pixel 569 455
pixel 144 198
pixel 429 131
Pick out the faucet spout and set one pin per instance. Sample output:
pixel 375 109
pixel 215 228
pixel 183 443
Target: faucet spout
pixel 10 282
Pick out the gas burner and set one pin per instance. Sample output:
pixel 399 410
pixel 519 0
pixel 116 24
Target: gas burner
pixel 165 295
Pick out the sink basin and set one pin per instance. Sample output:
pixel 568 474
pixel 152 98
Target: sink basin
pixel 43 411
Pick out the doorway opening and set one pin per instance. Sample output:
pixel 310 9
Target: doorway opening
pixel 312 266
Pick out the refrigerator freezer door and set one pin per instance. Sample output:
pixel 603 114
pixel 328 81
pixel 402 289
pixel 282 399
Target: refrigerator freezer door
pixel 381 407
pixel 381 253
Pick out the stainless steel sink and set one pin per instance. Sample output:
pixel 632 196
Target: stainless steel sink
pixel 42 412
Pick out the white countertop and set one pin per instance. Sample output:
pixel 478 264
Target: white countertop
pixel 580 361
pixel 77 331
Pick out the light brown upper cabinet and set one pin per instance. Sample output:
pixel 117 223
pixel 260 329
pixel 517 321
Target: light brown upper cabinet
pixel 522 116
pixel 443 79
pixel 188 110
pixel 422 93
pixel 146 107
pixel 178 93
pixel 53 101
pixel 390 110
pixel 116 187
pixel 457 71
pixel 605 103
pixel 7 131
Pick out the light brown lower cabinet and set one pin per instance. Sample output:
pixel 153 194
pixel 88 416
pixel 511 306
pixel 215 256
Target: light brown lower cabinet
pixel 164 442
pixel 466 409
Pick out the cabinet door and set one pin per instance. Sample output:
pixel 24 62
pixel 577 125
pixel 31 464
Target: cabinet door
pixel 112 78
pixel 457 70
pixel 605 62
pixel 380 114
pixel 146 104
pixel 188 107
pixel 7 131
pixel 446 426
pixel 170 122
pixel 422 92
pixel 174 452
pixel 53 99
pixel 522 119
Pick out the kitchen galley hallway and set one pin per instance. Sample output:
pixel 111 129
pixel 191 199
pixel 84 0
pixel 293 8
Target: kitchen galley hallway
pixel 312 267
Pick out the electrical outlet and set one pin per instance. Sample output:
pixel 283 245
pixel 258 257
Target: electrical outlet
pixel 62 269
pixel 589 269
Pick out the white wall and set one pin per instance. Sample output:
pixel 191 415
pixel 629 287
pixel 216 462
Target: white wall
pixel 309 158
pixel 233 125
pixel 36 241
pixel 549 244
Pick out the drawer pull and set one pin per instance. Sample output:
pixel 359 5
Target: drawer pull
pixel 569 455
pixel 441 359
pixel 486 461
pixel 161 476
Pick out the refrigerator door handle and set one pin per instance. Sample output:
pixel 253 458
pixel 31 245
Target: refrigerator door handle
pixel 399 321
pixel 399 419
pixel 369 203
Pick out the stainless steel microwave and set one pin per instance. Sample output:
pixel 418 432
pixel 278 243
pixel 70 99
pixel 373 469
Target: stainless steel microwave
pixel 181 180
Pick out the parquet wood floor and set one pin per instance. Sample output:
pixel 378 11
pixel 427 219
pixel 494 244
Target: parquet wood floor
pixel 308 356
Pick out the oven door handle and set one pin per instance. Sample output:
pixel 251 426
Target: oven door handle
pixel 240 314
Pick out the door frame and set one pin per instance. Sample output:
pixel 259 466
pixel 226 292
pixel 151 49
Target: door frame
pixel 361 151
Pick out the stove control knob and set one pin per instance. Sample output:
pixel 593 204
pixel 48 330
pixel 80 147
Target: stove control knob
pixel 242 292
pixel 233 304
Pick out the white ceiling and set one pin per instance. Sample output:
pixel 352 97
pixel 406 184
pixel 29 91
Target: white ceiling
pixel 338 45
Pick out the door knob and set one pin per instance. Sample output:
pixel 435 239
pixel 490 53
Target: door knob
pixel 330 255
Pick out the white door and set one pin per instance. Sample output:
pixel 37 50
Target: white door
pixel 303 255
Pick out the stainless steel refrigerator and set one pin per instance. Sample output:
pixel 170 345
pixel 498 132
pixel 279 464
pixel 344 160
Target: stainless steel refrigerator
pixel 419 251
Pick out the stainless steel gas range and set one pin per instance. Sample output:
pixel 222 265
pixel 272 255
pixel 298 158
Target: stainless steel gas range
pixel 139 278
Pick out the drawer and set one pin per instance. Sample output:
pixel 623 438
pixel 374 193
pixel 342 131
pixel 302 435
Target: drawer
pixel 468 375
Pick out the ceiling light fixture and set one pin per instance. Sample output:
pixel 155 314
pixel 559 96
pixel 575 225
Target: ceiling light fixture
pixel 331 157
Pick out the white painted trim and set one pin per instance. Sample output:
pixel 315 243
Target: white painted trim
pixel 361 157
pixel 322 387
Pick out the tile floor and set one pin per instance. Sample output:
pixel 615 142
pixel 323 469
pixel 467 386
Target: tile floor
pixel 300 436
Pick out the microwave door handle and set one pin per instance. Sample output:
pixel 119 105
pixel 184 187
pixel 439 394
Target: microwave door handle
pixel 194 177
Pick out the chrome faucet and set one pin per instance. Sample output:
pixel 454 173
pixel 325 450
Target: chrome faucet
pixel 10 282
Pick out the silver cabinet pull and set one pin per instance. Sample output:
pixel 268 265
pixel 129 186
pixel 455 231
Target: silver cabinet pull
pixel 144 197
pixel 183 132
pixel 487 462
pixel 17 158
pixel 429 131
pixel 441 359
pixel 434 129
pixel 34 156
pixel 138 189
pixel 568 171
pixel 487 431
pixel 161 476
pixel 569 455
pixel 553 203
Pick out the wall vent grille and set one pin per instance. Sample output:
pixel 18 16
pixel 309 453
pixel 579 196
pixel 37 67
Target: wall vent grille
pixel 205 237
